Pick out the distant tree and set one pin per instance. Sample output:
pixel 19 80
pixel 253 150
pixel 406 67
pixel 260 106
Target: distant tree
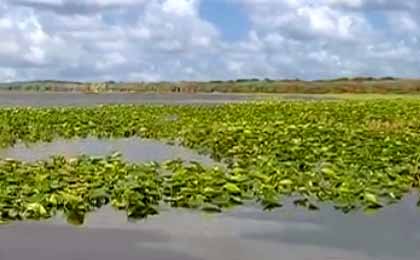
pixel 247 80
pixel 388 78
pixel 364 79
pixel 339 79
pixel 342 79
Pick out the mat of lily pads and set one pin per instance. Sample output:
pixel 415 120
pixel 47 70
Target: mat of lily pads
pixel 351 154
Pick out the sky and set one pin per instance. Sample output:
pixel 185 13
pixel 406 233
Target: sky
pixel 172 40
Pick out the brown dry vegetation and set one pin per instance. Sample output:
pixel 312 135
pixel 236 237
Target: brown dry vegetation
pixel 386 126
pixel 337 86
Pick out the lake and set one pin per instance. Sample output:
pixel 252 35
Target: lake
pixel 245 233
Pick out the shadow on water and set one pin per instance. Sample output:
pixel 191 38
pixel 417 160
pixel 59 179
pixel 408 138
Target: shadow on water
pixel 245 233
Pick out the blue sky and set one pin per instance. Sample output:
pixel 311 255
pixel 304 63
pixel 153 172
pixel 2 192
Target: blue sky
pixel 154 40
pixel 229 17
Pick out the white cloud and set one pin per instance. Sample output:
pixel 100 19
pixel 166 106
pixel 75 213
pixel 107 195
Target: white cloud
pixel 170 40
pixel 348 3
pixel 180 7
pixel 5 23
pixel 110 60
pixel 8 47
pixel 404 22
pixel 375 4
pixel 7 74
pixel 87 47
pixel 49 2
pixel 144 76
pixel 329 38
pixel 77 2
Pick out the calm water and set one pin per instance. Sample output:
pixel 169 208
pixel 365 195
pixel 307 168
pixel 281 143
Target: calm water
pixel 8 99
pixel 243 234
pixel 35 99
pixel 132 149
pixel 246 233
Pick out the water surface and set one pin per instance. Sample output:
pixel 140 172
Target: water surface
pixel 245 233
pixel 132 149
pixel 42 99
pixel 45 99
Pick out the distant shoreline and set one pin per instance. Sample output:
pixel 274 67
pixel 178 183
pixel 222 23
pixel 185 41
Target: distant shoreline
pixel 358 85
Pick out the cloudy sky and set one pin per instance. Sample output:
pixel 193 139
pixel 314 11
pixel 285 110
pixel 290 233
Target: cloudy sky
pixel 152 40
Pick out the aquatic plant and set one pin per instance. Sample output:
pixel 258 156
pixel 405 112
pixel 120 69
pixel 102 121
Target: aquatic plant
pixel 352 154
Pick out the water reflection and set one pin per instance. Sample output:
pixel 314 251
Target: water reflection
pixel 245 233
pixel 132 149
pixel 41 241
pixel 390 233
pixel 34 99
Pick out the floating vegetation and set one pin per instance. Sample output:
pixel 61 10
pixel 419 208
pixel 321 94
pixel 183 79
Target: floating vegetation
pixel 353 154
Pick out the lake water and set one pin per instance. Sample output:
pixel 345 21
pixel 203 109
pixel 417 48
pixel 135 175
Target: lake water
pixel 42 99
pixel 245 233
pixel 132 149
pixel 8 99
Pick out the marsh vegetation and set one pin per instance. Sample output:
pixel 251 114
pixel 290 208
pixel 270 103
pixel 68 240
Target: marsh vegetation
pixel 353 154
